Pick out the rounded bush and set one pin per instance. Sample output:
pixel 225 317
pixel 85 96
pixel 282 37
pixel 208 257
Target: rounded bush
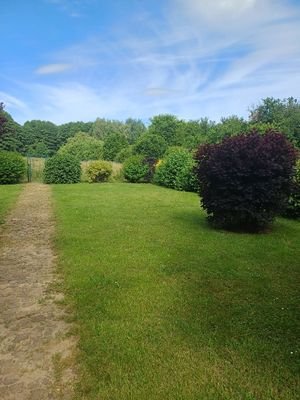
pixel 135 169
pixel 99 171
pixel 62 168
pixel 176 170
pixel 12 167
pixel 245 180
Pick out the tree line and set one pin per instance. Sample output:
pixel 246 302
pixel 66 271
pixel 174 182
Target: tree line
pixel 43 138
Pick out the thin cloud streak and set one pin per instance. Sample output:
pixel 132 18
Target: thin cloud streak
pixel 52 69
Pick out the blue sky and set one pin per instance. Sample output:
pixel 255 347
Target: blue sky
pixel 69 60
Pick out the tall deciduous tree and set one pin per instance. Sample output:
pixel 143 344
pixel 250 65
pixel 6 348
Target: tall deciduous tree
pixel 165 125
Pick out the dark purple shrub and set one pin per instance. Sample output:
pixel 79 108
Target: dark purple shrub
pixel 246 179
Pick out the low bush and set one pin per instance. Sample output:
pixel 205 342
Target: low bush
pixel 62 168
pixel 245 180
pixel 12 167
pixel 136 169
pixel 99 171
pixel 292 209
pixel 176 170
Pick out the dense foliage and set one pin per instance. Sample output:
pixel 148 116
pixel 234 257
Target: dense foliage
pixel 245 180
pixel 9 131
pixel 98 171
pixel 285 114
pixel 165 126
pixel 83 147
pixel 62 168
pixel 12 167
pixel 176 170
pixel 125 153
pixel 136 169
pixel 150 146
pixel 292 209
pixel 113 144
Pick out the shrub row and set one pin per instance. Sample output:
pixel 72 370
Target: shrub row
pixel 65 168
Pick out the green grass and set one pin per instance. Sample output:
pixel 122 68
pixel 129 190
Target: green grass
pixel 8 197
pixel 168 308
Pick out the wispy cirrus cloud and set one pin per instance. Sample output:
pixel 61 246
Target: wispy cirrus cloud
pixel 53 69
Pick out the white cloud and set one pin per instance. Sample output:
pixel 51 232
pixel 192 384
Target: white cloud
pixel 206 58
pixel 53 69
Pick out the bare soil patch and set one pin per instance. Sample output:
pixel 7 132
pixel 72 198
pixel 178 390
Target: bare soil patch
pixel 36 351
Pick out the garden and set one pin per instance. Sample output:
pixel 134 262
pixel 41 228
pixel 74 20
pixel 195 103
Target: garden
pixel 178 252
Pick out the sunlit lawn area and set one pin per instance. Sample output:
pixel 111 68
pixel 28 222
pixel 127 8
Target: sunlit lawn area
pixel 168 308
pixel 8 196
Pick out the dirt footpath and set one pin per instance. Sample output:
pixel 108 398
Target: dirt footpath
pixel 35 348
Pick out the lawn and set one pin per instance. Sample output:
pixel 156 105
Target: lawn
pixel 168 308
pixel 8 196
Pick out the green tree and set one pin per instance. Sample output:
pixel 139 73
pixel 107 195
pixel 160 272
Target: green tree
pixel 135 129
pixel 38 149
pixel 37 131
pixel 284 114
pixel 9 131
pixel 165 125
pixel 150 146
pixel 83 147
pixel 113 144
pixel 102 128
pixel 65 131
pixel 190 134
pixel 229 126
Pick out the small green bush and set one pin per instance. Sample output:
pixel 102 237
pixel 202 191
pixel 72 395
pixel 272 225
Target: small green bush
pixel 99 171
pixel 12 167
pixel 176 170
pixel 62 168
pixel 136 169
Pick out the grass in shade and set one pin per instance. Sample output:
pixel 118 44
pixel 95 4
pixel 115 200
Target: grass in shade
pixel 168 308
pixel 8 197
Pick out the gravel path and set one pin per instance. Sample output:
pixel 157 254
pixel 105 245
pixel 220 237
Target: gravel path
pixel 36 354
